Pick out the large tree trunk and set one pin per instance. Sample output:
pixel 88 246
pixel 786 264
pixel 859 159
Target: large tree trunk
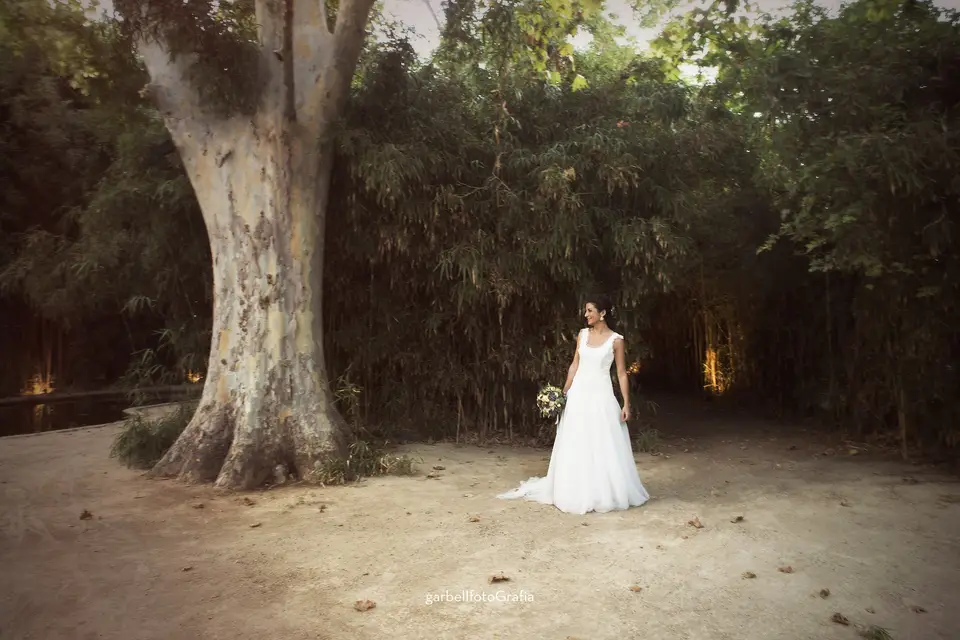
pixel 262 183
pixel 267 400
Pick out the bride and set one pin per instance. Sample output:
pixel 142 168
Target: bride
pixel 592 466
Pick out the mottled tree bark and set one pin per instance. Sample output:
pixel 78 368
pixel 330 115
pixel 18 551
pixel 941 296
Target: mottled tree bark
pixel 262 182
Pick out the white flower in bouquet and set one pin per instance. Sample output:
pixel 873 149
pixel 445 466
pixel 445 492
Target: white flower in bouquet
pixel 550 401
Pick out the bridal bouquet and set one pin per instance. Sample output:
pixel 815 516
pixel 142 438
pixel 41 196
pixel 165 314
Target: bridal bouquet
pixel 550 401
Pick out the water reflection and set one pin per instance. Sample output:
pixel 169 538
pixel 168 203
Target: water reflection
pixel 18 419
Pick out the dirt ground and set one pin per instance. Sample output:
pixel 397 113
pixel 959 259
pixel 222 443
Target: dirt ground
pixel 159 560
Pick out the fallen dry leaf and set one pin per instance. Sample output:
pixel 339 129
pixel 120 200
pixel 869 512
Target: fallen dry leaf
pixel 364 605
pixel 636 589
pixel 85 515
pixel 786 569
pixel 873 632
pixel 824 593
pixel 695 523
pixel 498 577
pixel 839 618
pixel 749 575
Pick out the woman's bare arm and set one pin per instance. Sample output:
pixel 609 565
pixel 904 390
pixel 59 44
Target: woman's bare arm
pixel 572 371
pixel 619 354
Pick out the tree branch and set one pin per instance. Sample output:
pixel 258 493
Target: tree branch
pixel 270 24
pixel 434 14
pixel 275 19
pixel 311 18
pixel 324 62
pixel 170 87
pixel 312 43
pixel 289 79
pixel 349 34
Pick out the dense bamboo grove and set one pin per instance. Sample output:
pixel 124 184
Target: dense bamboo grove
pixel 781 236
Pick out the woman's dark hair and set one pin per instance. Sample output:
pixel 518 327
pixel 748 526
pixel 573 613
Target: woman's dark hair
pixel 604 305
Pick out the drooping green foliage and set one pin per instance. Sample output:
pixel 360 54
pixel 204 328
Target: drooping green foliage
pixel 142 442
pixel 50 158
pixel 781 236
pixel 218 38
pixel 472 249
pixel 854 117
pixel 101 234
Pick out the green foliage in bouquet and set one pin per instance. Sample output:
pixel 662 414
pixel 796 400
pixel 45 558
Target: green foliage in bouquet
pixel 550 401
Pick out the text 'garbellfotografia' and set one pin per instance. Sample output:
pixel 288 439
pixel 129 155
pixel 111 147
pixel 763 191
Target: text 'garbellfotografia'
pixel 470 596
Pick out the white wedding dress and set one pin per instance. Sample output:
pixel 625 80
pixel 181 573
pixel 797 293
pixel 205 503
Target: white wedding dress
pixel 592 466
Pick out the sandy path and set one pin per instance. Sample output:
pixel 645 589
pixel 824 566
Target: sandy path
pixel 153 563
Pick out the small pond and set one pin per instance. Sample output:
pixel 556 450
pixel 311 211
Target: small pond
pixel 25 418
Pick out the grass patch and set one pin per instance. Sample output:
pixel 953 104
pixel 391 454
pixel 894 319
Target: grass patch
pixel 364 460
pixel 647 441
pixel 141 443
